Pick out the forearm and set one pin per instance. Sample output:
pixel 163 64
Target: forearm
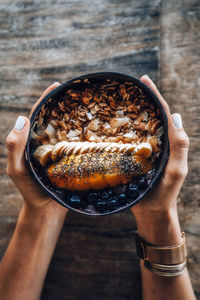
pixel 163 230
pixel 25 263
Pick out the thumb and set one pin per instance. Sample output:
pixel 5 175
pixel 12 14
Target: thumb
pixel 16 143
pixel 179 145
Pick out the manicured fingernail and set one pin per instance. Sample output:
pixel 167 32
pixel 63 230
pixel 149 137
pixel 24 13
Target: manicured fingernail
pixel 177 120
pixel 20 123
pixel 146 76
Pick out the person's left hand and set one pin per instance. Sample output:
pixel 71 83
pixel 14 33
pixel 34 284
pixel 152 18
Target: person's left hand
pixel 17 167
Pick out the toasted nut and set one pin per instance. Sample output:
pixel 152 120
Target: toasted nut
pixel 140 126
pixel 82 119
pixel 91 105
pixel 54 113
pixel 81 113
pixel 103 104
pixel 113 105
pixel 154 144
pixel 97 107
pixel 66 117
pixel 86 100
pixel 63 125
pixel 152 126
pixel 61 106
pixel 131 108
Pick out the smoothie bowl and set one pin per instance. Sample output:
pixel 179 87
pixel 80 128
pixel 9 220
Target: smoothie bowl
pixel 98 143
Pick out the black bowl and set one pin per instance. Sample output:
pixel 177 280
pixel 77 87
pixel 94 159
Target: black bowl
pixel 61 196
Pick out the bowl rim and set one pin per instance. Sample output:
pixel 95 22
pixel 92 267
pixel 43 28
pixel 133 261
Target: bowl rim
pixel 103 75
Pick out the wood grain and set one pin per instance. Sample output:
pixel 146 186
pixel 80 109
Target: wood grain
pixel 47 41
pixel 180 69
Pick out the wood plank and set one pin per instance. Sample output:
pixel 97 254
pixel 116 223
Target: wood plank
pixel 180 69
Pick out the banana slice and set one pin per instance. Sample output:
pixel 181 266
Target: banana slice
pixel 43 154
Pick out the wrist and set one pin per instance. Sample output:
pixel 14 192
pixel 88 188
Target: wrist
pixel 159 229
pixel 44 211
pixel 35 220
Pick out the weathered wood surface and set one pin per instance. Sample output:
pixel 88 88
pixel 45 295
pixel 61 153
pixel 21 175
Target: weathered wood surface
pixel 47 41
pixel 180 85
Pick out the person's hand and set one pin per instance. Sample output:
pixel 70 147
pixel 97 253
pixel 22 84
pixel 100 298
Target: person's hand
pixel 17 168
pixel 163 197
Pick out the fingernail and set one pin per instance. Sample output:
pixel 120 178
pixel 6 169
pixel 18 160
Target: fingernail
pixel 177 120
pixel 146 76
pixel 56 82
pixel 20 122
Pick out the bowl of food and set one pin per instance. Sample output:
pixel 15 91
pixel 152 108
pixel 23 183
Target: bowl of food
pixel 98 143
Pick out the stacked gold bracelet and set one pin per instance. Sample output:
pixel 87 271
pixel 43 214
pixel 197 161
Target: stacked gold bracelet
pixel 168 261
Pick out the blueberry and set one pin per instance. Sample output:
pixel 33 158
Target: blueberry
pixel 84 200
pixel 113 203
pixel 132 191
pixel 142 183
pixel 100 205
pixel 122 198
pixel 119 189
pixel 105 195
pixel 110 192
pixel 92 197
pixel 75 201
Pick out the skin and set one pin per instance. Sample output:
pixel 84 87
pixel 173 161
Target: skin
pixel 157 217
pixel 41 220
pixel 37 229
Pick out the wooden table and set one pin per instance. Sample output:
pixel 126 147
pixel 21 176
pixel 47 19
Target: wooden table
pixel 47 41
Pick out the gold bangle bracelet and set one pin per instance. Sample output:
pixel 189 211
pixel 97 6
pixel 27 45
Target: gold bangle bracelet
pixel 166 270
pixel 168 261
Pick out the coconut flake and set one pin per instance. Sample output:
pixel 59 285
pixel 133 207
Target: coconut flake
pixel 93 110
pixel 130 135
pixel 145 115
pixel 94 125
pixel 89 115
pixel 118 122
pixel 92 139
pixel 106 128
pixel 50 131
pixel 90 134
pixel 61 135
pixel 53 141
pixel 159 132
pixel 73 133
pixel 74 138
pixel 119 114
pixel 54 123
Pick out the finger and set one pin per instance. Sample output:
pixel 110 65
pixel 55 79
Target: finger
pixel 145 79
pixel 179 145
pixel 16 143
pixel 46 92
pixel 179 142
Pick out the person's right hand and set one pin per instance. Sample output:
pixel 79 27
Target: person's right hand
pixel 17 167
pixel 163 198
